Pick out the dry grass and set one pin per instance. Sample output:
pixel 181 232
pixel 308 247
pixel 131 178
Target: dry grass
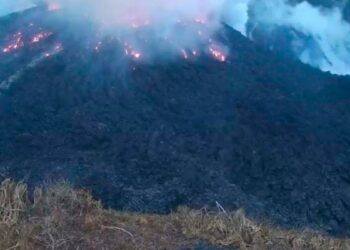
pixel 235 230
pixel 59 217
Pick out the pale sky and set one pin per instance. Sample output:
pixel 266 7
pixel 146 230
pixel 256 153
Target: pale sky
pixel 9 6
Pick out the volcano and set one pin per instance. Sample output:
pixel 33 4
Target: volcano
pixel 225 122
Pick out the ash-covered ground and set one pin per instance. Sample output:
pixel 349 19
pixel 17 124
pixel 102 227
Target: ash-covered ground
pixel 231 123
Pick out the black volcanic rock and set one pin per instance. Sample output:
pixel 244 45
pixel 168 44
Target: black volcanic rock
pixel 258 131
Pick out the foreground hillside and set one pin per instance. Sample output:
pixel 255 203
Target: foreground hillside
pixel 59 217
pixel 258 131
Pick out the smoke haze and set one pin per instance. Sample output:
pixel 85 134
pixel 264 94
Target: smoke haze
pixel 321 37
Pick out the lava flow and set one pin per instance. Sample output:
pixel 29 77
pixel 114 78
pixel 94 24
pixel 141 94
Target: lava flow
pixel 217 53
pixel 139 42
pixel 41 36
pixel 16 42
pixel 23 38
pixel 140 39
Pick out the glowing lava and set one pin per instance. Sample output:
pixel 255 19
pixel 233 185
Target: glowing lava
pixel 135 54
pixel 41 36
pixel 184 54
pixel 15 43
pixel 217 53
pixel 98 46
pixel 53 6
pixel 141 39
pixel 56 49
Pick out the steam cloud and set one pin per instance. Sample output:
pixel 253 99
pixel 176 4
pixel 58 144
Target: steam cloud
pixel 162 13
pixel 320 38
pixel 120 12
pixel 177 26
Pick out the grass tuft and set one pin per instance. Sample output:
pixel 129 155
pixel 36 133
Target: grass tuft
pixel 60 217
pixel 236 230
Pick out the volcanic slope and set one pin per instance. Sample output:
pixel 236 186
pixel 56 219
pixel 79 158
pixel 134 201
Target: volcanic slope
pixel 251 130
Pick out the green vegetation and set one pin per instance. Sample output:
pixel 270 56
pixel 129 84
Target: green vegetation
pixel 59 217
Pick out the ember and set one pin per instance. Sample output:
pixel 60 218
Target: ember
pixel 41 36
pixel 15 43
pixel 137 40
pixel 184 53
pixel 217 54
pixel 135 54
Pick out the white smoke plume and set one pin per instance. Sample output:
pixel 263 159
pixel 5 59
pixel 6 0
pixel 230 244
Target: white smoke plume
pixel 329 34
pixel 326 28
pixel 181 26
pixel 119 12
pixel 236 14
